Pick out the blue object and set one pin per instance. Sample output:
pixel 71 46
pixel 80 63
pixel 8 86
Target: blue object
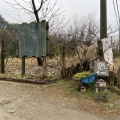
pixel 89 79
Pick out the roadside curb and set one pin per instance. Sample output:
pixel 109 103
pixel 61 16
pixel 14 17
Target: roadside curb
pixel 44 82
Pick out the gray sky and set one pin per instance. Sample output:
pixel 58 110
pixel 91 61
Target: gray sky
pixel 73 8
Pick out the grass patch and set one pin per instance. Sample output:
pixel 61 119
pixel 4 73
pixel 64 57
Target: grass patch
pixel 85 100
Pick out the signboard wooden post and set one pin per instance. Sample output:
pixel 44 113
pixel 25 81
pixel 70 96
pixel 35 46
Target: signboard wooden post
pixel 108 54
pixel 23 65
pixel 32 41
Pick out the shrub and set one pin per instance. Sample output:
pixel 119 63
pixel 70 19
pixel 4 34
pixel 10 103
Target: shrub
pixel 81 75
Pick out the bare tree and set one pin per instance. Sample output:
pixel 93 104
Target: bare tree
pixel 5 38
pixel 42 9
pixel 84 32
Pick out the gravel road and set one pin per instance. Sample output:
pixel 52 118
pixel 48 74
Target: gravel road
pixel 28 102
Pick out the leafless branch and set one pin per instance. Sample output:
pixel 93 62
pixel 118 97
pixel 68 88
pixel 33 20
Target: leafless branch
pixel 73 48
pixel 17 4
pixel 110 46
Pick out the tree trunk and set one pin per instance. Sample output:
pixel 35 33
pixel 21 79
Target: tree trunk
pixel 39 59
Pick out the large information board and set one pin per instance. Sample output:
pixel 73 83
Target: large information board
pixel 32 39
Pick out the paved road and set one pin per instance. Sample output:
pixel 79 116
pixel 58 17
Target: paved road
pixel 28 102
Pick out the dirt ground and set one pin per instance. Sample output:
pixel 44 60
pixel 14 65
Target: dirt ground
pixel 35 102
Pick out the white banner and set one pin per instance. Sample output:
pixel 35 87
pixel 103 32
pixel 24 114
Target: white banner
pixel 108 54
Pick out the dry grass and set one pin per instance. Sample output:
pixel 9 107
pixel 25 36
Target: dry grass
pixel 13 66
pixel 13 69
pixel 67 93
pixel 116 63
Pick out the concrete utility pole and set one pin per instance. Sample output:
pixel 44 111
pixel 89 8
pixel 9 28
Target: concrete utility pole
pixel 103 26
pixel 103 19
pixel 119 36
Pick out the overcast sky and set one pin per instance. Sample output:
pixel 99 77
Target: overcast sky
pixel 73 7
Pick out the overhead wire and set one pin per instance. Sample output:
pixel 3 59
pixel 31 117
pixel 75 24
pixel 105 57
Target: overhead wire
pixel 115 13
pixel 118 21
pixel 118 11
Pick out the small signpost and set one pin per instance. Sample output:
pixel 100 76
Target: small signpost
pixel 101 67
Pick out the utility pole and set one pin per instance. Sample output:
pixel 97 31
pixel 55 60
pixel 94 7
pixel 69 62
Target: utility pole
pixel 103 26
pixel 119 36
pixel 103 19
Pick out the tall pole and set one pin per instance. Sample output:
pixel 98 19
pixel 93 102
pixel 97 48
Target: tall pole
pixel 103 26
pixel 119 36
pixel 2 55
pixel 103 19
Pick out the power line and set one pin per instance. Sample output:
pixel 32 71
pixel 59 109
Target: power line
pixel 118 11
pixel 115 12
pixel 119 23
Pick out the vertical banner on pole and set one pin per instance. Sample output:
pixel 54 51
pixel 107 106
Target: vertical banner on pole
pixel 108 54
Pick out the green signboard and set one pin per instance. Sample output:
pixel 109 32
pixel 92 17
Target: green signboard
pixel 32 39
